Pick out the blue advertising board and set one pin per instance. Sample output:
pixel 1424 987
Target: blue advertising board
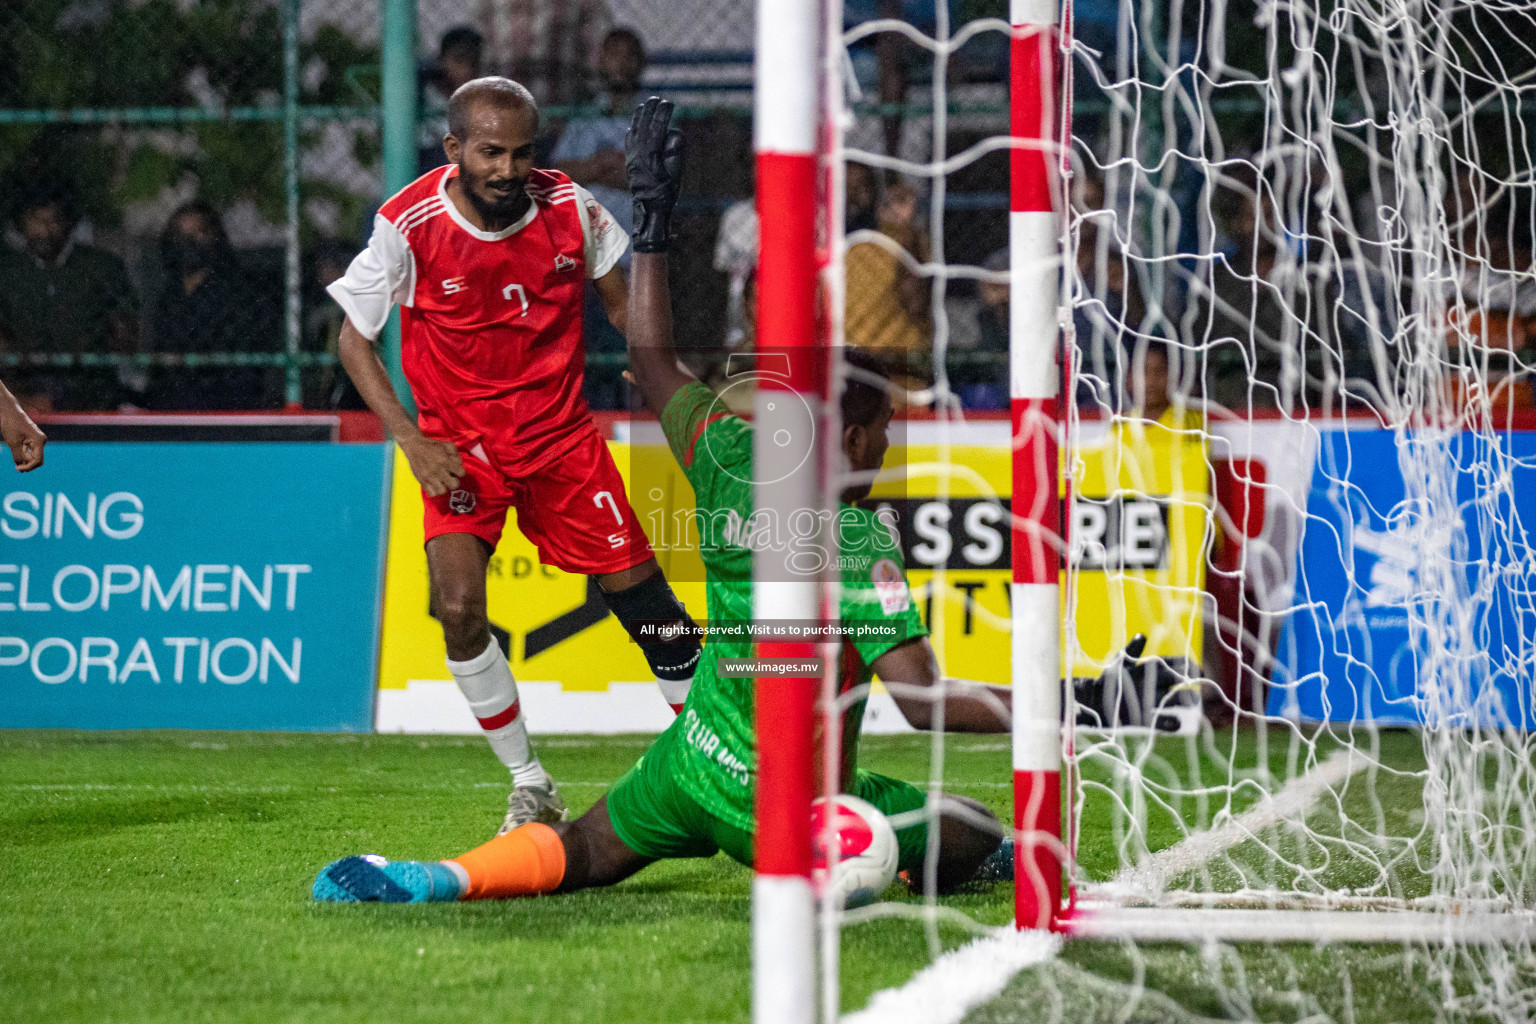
pixel 1369 555
pixel 198 586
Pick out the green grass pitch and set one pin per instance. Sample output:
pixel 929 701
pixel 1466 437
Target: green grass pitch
pixel 160 876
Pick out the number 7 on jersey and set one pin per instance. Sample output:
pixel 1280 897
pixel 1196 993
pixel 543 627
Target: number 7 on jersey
pixel 522 295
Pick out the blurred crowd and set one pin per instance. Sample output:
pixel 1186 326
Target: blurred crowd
pixel 1286 313
pixel 66 296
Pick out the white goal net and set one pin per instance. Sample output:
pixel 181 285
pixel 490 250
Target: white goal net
pixel 1299 441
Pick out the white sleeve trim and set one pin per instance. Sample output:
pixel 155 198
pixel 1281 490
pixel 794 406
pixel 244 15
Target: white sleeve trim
pixel 604 240
pixel 380 277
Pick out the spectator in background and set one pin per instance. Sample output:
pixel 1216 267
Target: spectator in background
pixel 884 62
pixel 1370 304
pixel 887 308
pixel 1108 316
pixel 1240 304
pixel 1148 396
pixel 458 61
pixel 62 296
pixel 1157 387
pixel 732 377
pixel 1272 326
pixel 547 45
pixel 327 387
pixel 736 257
pixel 860 190
pixel 1492 314
pixel 978 372
pixel 207 306
pixel 736 244
pixel 591 151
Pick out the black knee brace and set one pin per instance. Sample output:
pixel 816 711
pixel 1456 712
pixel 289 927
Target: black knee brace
pixel 657 621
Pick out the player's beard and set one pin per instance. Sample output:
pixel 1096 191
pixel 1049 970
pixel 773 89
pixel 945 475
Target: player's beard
pixel 496 205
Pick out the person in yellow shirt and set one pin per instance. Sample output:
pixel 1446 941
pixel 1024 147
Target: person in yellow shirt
pixel 888 306
pixel 1150 392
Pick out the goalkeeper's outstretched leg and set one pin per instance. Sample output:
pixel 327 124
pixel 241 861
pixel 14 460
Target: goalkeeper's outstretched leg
pixel 589 852
pixel 528 861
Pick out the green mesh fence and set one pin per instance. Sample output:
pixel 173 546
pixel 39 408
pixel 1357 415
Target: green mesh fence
pixel 178 178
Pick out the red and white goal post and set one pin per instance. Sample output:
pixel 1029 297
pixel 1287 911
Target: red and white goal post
pixel 1039 121
pixel 787 127
pixel 798 81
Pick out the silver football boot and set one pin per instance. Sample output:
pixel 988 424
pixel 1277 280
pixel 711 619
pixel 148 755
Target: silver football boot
pixel 533 803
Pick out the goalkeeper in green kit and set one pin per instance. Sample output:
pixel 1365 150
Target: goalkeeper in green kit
pixel 691 794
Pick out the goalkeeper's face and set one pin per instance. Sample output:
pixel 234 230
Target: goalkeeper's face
pixel 495 158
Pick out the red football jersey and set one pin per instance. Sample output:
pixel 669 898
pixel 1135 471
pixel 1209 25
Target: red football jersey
pixel 491 322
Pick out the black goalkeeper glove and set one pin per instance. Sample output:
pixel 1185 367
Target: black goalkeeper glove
pixel 1136 692
pixel 653 159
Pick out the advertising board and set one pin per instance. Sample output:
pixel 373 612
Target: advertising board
pixel 200 586
pixel 1374 549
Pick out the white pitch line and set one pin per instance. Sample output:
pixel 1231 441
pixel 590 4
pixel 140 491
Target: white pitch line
pixel 950 987
pixel 563 783
pixel 216 787
pixel 142 788
pixel 1149 877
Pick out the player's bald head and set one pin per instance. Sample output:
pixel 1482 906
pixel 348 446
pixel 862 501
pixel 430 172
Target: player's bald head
pixel 492 93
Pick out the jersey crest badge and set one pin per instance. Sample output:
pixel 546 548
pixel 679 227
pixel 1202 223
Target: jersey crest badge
pixel 462 502
pixel 890 586
pixel 564 262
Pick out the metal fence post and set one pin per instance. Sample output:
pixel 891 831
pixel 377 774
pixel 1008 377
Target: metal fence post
pixel 398 60
pixel 293 392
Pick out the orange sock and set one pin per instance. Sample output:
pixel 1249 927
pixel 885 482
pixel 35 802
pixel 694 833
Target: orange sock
pixel 524 862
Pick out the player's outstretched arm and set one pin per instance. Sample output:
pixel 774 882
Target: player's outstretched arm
pixel 911 672
pixel 654 160
pixel 1117 695
pixel 21 435
pixel 653 364
pixel 436 464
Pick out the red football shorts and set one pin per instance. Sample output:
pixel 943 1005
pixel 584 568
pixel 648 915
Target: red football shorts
pixel 574 509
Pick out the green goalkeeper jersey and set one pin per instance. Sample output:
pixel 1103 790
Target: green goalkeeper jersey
pixel 714 448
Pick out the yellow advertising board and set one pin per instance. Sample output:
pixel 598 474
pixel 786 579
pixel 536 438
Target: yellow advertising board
pixel 1141 527
pixel 1140 523
pixel 1138 534
pixel 554 626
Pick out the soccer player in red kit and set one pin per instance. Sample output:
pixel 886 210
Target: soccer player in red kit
pixel 488 259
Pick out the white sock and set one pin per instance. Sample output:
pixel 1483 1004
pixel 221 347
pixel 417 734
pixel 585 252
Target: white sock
pixel 460 874
pixel 675 692
pixel 486 682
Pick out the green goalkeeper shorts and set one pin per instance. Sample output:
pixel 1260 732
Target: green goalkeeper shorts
pixel 657 818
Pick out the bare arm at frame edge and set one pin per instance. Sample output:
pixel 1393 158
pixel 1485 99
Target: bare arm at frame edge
pixel 25 439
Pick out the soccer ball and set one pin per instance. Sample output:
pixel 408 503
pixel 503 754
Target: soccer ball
pixel 866 856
